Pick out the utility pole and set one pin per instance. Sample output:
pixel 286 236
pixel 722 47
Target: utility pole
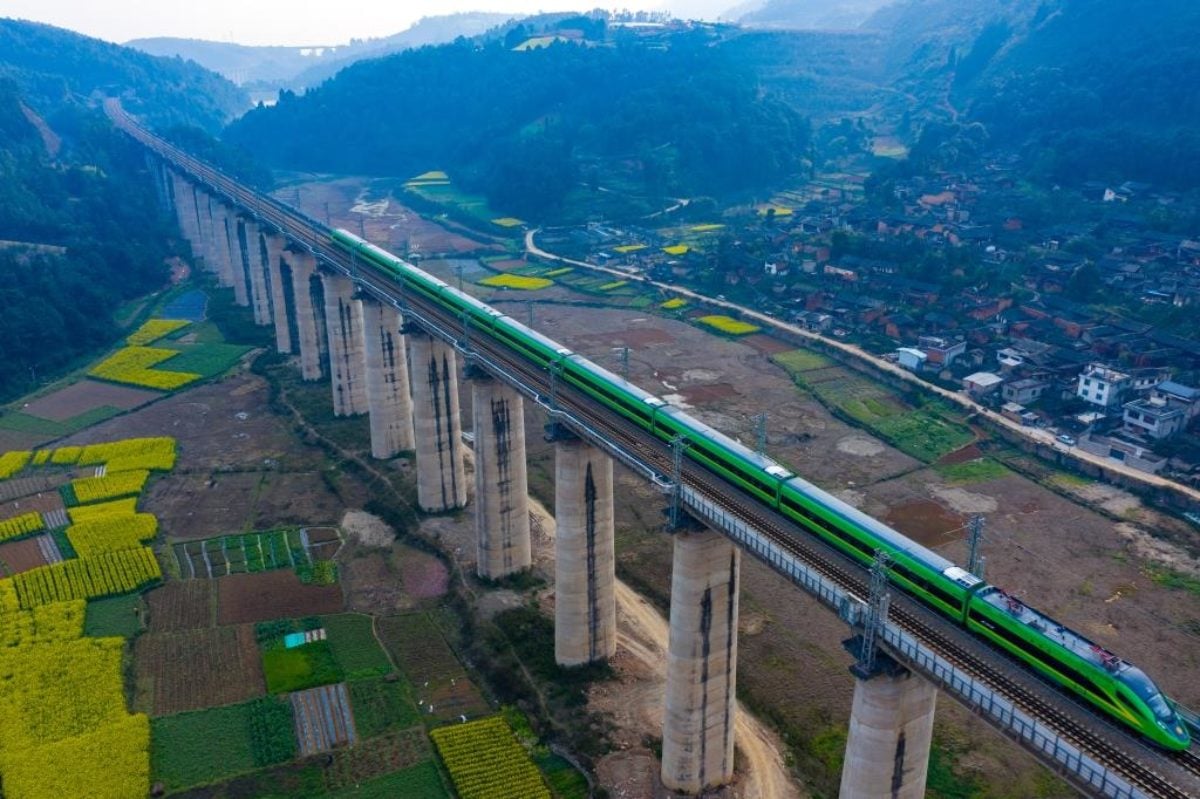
pixel 530 323
pixel 623 354
pixel 760 433
pixel 327 222
pixel 975 559
pixel 878 605
pixel 458 269
pixel 675 515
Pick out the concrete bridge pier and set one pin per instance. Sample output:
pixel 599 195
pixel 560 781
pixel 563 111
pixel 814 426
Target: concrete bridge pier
pixel 185 211
pixel 385 356
pixel 256 269
pixel 701 663
pixel 221 244
pixel 208 256
pixel 502 542
pixel 241 260
pixel 585 608
pixel 283 334
pixel 441 484
pixel 343 323
pixel 891 731
pixel 309 339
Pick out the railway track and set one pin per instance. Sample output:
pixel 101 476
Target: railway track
pixel 1143 766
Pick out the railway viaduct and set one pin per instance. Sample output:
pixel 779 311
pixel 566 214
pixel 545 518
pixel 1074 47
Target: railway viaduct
pixel 406 382
pixel 403 373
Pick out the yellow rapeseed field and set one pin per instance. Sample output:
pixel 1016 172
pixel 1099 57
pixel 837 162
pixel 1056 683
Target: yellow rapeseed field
pixel 13 462
pixel 728 325
pixel 674 304
pixel 134 366
pixel 153 330
pixel 522 282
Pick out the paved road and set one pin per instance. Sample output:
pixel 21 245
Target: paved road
pixel 968 404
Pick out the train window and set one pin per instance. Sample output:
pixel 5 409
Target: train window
pixel 929 586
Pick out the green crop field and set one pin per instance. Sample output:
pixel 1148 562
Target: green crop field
pixel 206 745
pixel 207 360
pixel 118 615
pixel 382 704
pixel 355 648
pixel 421 781
pixel 303 667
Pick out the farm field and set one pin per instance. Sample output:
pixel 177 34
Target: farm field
pixel 358 653
pixel 192 669
pixel 272 595
pixel 119 616
pixel 323 719
pixel 182 605
pixel 927 433
pixel 434 671
pixel 486 761
pixel 253 552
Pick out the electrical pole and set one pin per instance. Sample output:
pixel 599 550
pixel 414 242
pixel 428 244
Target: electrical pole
pixel 975 559
pixel 877 613
pixel 760 433
pixel 675 516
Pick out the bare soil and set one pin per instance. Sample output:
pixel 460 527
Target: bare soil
pixel 221 426
pixel 193 669
pixel 273 595
pixel 20 556
pixel 362 205
pixel 181 605
pixel 77 398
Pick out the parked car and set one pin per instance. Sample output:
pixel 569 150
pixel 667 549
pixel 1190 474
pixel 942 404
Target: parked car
pixel 1066 439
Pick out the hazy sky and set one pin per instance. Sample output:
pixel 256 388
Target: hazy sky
pixel 289 21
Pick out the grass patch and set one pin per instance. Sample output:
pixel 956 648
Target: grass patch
pixel 197 748
pixel 728 325
pixel 421 781
pixel 798 361
pixel 381 704
pixel 1169 578
pixel 119 616
pixel 508 222
pixel 305 666
pixel 564 779
pixel 520 282
pixel 979 470
pixel 354 646
pixel 676 249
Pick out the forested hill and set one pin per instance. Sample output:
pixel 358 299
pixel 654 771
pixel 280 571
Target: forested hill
pixel 523 125
pixel 1106 88
pixel 79 235
pixel 1087 89
pixel 52 66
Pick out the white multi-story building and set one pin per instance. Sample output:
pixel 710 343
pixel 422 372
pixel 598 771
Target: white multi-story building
pixel 1102 386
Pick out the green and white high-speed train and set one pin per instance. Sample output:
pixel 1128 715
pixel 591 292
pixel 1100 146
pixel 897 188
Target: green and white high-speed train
pixel 1116 688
